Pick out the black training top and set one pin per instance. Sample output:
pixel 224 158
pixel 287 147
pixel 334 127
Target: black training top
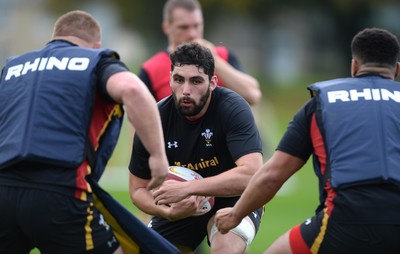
pixel 208 146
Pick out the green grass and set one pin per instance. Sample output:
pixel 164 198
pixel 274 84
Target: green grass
pixel 294 203
pixel 297 199
pixel 287 210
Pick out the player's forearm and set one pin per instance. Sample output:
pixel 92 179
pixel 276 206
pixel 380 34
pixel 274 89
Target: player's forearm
pixel 242 83
pixel 233 181
pixel 141 109
pixel 144 115
pixel 143 200
pixel 257 193
pixel 227 184
pixel 267 181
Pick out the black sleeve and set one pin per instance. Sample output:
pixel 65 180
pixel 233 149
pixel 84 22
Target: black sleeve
pixel 106 67
pixel 146 80
pixel 242 135
pixel 234 61
pixel 139 157
pixel 297 139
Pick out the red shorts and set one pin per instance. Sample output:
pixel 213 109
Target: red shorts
pixel 297 243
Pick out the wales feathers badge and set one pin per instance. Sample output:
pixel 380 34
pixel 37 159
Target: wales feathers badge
pixel 207 134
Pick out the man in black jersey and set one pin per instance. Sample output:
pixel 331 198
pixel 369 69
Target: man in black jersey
pixel 351 127
pixel 210 130
pixel 57 103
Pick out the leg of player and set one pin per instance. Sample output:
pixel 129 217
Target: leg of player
pixel 119 251
pixel 280 246
pixel 235 241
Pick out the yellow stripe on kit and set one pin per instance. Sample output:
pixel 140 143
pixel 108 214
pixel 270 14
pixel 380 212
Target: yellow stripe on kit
pixel 88 229
pixel 127 244
pixel 318 241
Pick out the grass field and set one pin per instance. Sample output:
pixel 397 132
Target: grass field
pixel 294 203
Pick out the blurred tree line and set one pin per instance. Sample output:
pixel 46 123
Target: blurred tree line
pixel 328 26
pixel 147 15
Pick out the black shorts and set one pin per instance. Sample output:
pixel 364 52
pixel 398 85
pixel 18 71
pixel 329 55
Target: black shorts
pixel 191 231
pixel 51 222
pixel 323 235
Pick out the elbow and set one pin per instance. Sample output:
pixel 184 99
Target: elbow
pixel 254 98
pixel 133 198
pixel 254 94
pixel 129 91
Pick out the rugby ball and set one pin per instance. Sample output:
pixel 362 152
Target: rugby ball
pixel 184 174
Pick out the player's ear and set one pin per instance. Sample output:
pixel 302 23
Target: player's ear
pixel 397 71
pixel 164 27
pixel 213 82
pixel 354 67
pixel 170 78
pixel 97 45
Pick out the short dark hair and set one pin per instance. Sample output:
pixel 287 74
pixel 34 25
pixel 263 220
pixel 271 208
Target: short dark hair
pixel 376 46
pixel 192 53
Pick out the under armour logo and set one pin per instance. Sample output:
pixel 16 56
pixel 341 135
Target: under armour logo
pixel 103 223
pixel 173 144
pixel 111 242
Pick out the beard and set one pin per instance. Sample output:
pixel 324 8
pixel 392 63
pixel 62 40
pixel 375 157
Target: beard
pixel 194 108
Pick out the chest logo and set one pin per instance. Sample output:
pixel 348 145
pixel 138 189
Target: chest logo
pixel 207 134
pixel 173 144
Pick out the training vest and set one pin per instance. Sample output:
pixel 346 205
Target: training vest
pixel 359 119
pixel 159 66
pixel 47 99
